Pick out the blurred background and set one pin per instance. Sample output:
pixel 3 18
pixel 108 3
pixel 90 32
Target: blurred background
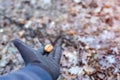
pixel 88 29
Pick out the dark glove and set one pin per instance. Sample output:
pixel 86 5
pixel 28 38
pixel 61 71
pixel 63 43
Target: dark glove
pixel 49 62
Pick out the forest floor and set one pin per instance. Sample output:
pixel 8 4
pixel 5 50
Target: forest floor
pixel 89 31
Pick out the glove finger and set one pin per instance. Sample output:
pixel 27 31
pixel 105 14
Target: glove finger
pixel 26 52
pixel 52 53
pixel 40 50
pixel 57 53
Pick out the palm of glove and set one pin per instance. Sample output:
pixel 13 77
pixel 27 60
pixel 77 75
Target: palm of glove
pixel 49 62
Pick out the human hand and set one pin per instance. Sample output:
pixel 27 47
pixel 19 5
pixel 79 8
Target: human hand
pixel 49 62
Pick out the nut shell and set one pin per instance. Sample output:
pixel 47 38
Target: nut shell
pixel 48 48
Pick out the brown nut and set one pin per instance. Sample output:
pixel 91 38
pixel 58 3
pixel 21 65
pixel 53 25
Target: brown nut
pixel 48 48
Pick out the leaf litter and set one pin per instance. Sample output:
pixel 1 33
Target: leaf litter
pixel 88 29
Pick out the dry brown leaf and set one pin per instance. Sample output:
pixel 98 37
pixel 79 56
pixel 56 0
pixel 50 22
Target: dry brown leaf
pixel 107 6
pixel 22 21
pixel 71 32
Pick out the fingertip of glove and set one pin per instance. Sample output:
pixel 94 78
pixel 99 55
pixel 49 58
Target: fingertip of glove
pixel 16 42
pixel 58 47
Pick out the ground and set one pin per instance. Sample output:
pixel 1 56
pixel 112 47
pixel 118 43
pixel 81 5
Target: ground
pixel 88 31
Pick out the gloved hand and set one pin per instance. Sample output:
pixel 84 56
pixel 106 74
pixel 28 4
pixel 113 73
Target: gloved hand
pixel 49 62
